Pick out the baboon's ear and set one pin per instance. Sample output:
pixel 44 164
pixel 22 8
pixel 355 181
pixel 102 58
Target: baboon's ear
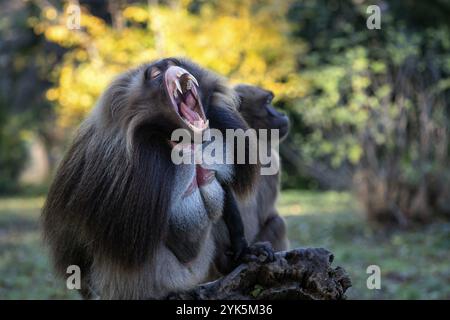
pixel 240 91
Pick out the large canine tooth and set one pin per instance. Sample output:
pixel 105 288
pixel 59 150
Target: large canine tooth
pixel 189 85
pixel 193 79
pixel 177 83
pixel 175 94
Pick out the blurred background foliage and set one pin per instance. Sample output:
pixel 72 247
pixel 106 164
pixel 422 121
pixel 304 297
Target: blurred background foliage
pixel 240 40
pixel 369 109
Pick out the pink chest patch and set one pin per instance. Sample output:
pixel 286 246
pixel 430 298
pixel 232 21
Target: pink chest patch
pixel 202 178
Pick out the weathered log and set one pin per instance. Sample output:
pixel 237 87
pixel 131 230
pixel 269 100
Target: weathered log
pixel 303 274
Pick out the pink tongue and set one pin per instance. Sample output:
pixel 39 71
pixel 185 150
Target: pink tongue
pixel 190 114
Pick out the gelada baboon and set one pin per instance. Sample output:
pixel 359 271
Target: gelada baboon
pixel 256 218
pixel 137 225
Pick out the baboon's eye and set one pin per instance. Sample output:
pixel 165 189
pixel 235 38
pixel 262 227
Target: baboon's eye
pixel 154 72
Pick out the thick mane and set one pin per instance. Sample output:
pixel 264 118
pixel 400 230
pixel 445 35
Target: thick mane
pixel 115 199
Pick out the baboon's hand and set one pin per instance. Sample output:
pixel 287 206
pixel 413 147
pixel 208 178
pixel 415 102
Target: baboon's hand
pixel 259 251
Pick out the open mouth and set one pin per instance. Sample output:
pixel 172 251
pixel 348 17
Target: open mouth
pixel 182 89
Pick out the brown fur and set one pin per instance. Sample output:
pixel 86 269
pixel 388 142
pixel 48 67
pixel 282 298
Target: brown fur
pixel 261 219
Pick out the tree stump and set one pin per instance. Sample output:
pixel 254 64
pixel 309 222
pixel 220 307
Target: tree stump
pixel 301 274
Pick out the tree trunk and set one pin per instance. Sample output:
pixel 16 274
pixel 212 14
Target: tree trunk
pixel 303 274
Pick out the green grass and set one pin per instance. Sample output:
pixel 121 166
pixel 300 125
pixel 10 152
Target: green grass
pixel 24 269
pixel 415 264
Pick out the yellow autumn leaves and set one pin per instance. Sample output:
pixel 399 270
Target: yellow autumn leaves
pixel 233 39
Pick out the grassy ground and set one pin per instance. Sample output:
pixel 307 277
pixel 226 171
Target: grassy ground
pixel 414 264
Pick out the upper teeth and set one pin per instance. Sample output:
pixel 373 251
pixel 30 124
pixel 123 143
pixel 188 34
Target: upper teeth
pixel 177 83
pixel 193 79
pixel 188 84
